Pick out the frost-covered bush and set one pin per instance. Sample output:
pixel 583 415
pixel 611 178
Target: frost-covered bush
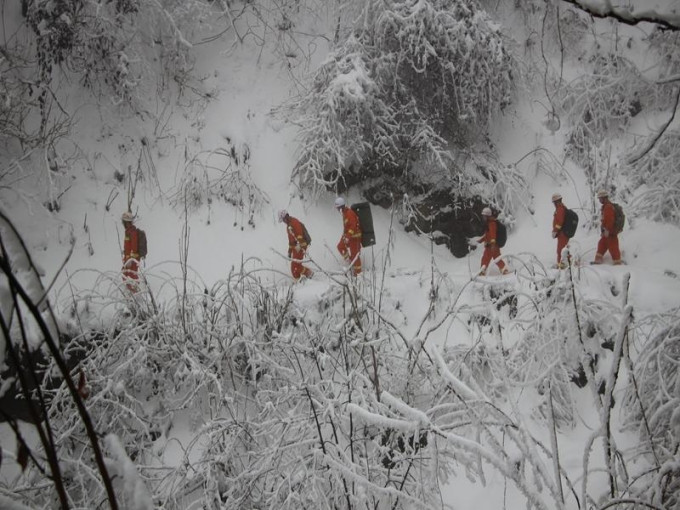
pixel 599 103
pixel 275 406
pixel 347 117
pixel 109 45
pixel 122 51
pixel 653 181
pixel 666 45
pixel 220 175
pixel 408 80
pixel 240 395
pixel 652 406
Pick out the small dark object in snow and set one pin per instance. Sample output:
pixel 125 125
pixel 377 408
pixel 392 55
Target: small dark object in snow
pixel 591 330
pixel 608 344
pixel 502 298
pixel 579 377
pixel 601 391
pixel 401 445
pixel 668 272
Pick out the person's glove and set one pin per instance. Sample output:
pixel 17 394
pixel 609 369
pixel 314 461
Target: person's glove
pixel 605 232
pixel 345 240
pixel 554 234
pixel 298 248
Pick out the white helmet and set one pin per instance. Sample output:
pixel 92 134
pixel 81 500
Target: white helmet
pixel 127 216
pixel 339 202
pixel 282 215
pixel 486 212
pixel 602 193
pixel 556 197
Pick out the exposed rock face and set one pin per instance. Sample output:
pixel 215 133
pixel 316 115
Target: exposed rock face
pixel 451 218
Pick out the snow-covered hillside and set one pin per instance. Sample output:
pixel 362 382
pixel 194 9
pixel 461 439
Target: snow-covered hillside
pixel 223 383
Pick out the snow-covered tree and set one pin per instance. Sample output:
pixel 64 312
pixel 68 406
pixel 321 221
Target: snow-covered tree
pixel 410 79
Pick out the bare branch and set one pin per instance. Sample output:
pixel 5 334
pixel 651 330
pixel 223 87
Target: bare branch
pixel 625 15
pixel 651 145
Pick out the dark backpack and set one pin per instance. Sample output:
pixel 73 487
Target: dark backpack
pixel 619 218
pixel 363 210
pixel 141 243
pixel 501 234
pixel 570 223
pixel 305 234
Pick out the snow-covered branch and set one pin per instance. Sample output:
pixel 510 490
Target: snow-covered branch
pixel 628 15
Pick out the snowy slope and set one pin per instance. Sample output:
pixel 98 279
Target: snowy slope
pixel 220 239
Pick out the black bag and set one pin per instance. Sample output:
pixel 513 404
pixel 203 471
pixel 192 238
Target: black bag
pixel 501 234
pixel 363 211
pixel 619 218
pixel 570 223
pixel 305 234
pixel 141 243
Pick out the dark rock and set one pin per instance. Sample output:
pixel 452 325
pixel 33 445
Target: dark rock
pixel 450 218
pixel 578 377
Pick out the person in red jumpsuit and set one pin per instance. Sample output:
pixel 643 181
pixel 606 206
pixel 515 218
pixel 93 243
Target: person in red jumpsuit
pixel 609 238
pixel 557 233
pixel 491 249
pixel 297 245
pixel 350 242
pixel 130 253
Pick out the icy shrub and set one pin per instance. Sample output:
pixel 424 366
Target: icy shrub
pixel 652 405
pixel 598 103
pixel 399 89
pixel 666 44
pixel 220 175
pixel 112 46
pixel 653 181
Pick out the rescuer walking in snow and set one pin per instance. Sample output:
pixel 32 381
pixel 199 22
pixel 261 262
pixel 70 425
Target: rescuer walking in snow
pixel 298 242
pixel 131 252
pixel 558 233
pixel 490 239
pixel 609 231
pixel 350 242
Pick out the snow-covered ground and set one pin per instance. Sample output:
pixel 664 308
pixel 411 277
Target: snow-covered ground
pixel 220 239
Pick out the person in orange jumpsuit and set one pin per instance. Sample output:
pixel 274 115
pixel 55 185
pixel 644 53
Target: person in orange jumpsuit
pixel 130 252
pixel 350 242
pixel 609 238
pixel 558 223
pixel 297 245
pixel 491 249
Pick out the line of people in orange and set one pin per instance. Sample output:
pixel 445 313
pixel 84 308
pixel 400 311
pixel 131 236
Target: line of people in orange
pixel 609 238
pixel 349 245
